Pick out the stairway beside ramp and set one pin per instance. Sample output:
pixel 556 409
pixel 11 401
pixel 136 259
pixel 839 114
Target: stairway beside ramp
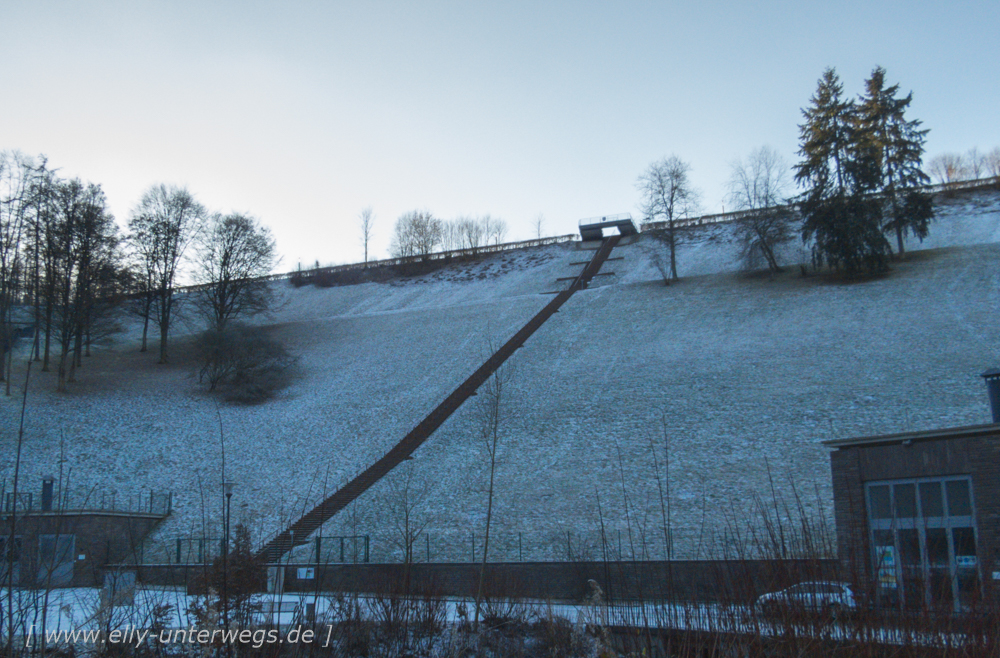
pixel 298 532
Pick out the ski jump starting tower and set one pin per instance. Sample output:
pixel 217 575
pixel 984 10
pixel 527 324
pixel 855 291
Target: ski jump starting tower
pixel 592 228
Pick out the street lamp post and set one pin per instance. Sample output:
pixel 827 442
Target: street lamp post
pixel 227 490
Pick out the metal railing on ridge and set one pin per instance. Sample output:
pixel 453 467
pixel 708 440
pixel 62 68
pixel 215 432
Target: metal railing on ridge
pixel 84 500
pixel 724 217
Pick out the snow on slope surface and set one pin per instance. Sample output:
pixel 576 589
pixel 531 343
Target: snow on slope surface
pixel 743 373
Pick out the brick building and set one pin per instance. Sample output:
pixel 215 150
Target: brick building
pixel 917 514
pixel 60 541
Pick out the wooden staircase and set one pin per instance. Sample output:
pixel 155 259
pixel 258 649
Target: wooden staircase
pixel 298 532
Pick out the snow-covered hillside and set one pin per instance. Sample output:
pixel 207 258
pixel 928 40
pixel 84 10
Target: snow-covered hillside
pixel 741 373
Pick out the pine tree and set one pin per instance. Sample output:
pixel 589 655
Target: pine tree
pixel 825 138
pixel 840 173
pixel 896 147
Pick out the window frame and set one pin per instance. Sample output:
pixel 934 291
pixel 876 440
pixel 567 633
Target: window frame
pixel 921 524
pixel 52 570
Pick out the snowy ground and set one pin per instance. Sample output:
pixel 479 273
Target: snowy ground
pixel 76 616
pixel 743 373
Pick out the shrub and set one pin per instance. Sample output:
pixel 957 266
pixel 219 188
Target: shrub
pixel 244 363
pixel 558 638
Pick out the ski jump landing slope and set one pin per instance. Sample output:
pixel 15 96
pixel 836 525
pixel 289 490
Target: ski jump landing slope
pixel 741 373
pixel 300 530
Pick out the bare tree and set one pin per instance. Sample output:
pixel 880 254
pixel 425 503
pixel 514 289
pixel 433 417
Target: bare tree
pixel 143 295
pixel 993 162
pixel 404 503
pixel 366 222
pixel 44 248
pixel 15 176
pixel 494 229
pixel 538 225
pixel 451 235
pixel 975 163
pixel 757 186
pixel 948 168
pixel 667 197
pixel 162 226
pixel 84 257
pixel 416 233
pixel 40 213
pixel 234 253
pixel 470 232
pixel 476 232
pixel 492 412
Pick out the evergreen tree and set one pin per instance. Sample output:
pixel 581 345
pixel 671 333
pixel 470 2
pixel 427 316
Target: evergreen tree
pixel 840 173
pixel 895 147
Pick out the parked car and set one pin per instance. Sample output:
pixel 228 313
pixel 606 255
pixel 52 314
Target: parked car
pixel 823 597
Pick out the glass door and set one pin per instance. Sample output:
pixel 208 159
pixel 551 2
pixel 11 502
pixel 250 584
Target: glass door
pixel 924 542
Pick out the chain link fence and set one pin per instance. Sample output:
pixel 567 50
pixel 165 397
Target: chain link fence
pixel 452 547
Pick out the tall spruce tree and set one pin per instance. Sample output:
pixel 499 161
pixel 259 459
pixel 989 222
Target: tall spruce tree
pixel 840 212
pixel 895 146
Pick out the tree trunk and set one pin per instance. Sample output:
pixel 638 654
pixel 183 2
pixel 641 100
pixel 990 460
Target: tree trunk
pixel 145 328
pixel 772 261
pixel 486 541
pixel 38 309
pixel 61 382
pixel 75 355
pixel 673 256
pixel 48 335
pixel 164 328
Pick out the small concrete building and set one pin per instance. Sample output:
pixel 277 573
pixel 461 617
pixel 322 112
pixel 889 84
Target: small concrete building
pixel 61 540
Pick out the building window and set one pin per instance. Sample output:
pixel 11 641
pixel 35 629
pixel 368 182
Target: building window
pixel 923 536
pixel 55 559
pixel 10 559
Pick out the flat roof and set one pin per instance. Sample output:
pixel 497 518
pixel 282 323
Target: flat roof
pixel 967 432
pixel 606 219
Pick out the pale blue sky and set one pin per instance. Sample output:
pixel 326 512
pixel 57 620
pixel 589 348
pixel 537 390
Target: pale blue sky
pixel 303 113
